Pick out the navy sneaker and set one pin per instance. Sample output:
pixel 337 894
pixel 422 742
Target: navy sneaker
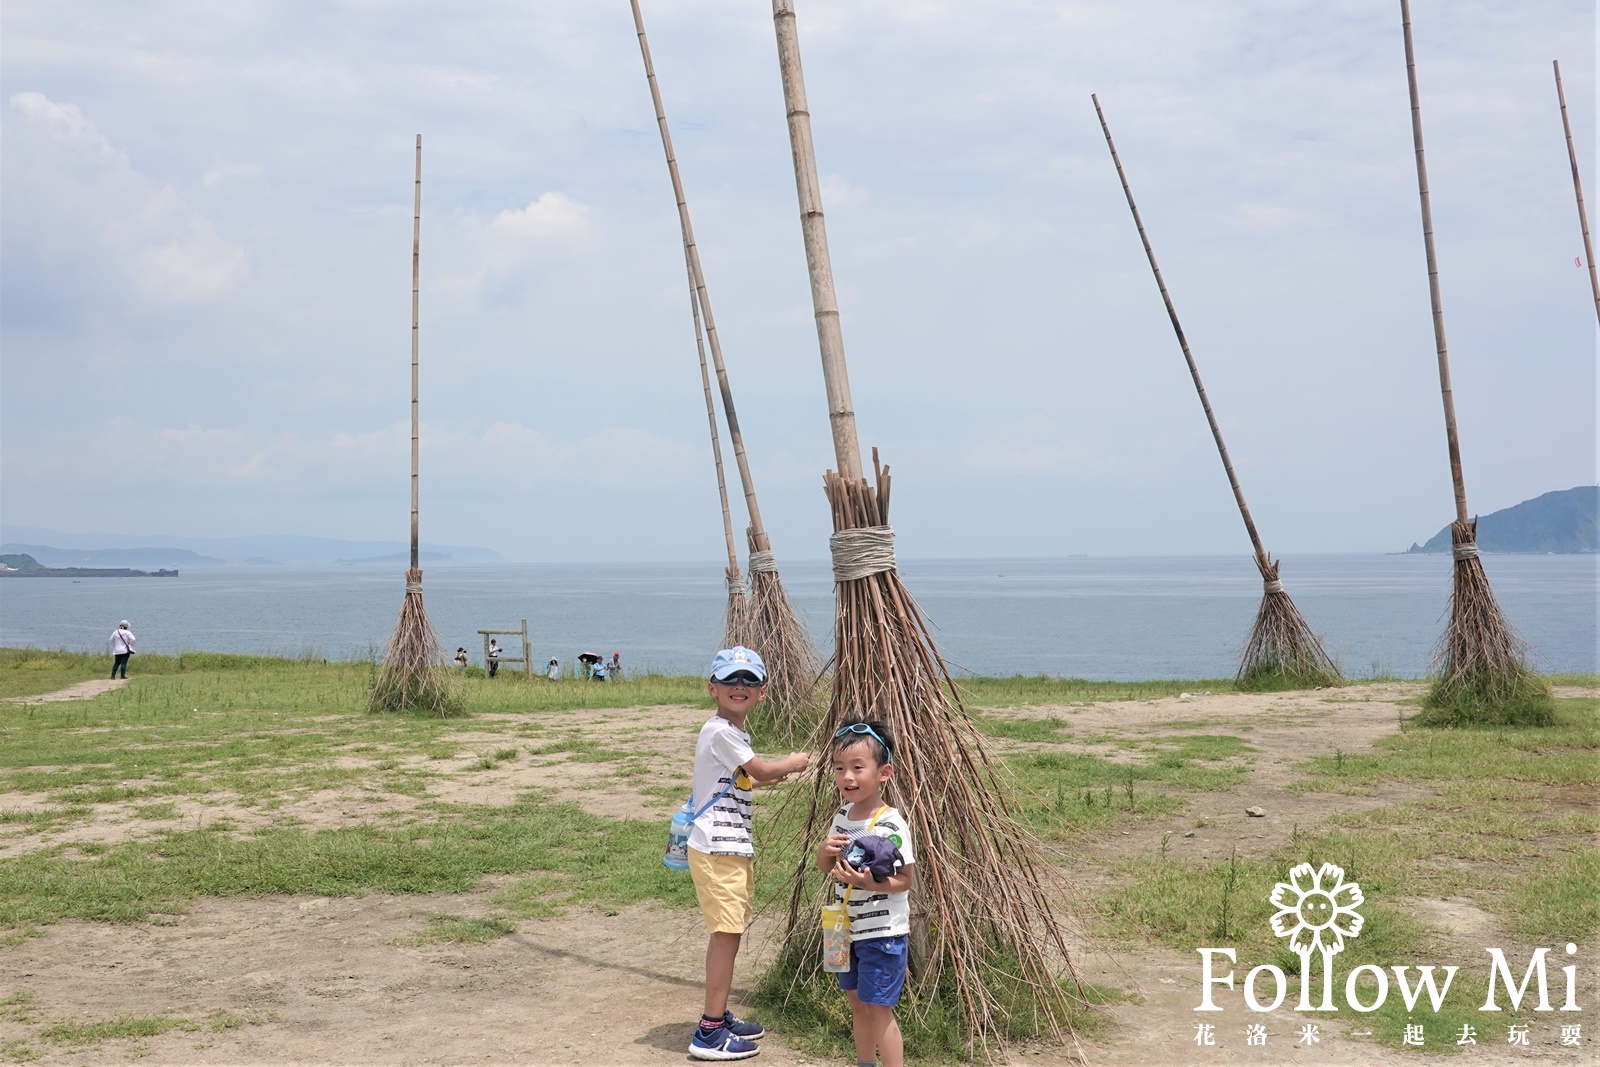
pixel 744 1028
pixel 720 1044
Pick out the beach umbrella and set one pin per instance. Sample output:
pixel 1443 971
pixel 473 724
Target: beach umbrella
pixel 1480 670
pixel 988 943
pixel 1281 651
pixel 412 677
pixel 771 625
pixel 1577 189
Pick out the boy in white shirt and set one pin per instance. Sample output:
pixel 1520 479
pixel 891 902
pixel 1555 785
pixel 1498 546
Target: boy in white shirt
pixel 879 907
pixel 721 849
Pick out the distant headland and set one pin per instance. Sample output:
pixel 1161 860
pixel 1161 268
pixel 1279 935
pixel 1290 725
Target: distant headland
pixel 1565 521
pixel 22 565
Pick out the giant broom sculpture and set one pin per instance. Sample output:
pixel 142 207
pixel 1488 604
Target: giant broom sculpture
pixel 1281 651
pixel 990 944
pixel 774 628
pixel 1480 673
pixel 411 678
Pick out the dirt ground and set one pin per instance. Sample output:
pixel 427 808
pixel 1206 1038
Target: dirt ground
pixel 340 981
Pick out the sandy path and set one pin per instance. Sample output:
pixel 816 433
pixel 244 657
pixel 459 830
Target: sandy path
pixel 336 981
pixel 80 691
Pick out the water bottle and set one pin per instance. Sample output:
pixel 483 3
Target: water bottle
pixel 677 856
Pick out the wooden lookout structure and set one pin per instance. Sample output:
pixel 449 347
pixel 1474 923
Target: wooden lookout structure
pixel 526 659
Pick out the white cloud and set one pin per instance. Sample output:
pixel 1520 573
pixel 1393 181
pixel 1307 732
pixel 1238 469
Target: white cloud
pixel 84 205
pixel 65 125
pixel 552 217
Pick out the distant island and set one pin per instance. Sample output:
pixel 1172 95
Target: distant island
pixel 1565 521
pixel 22 565
pixel 56 549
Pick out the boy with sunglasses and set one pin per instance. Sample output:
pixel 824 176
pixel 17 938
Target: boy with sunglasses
pixel 721 849
pixel 877 897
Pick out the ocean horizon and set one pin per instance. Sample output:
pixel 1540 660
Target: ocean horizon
pixel 1114 618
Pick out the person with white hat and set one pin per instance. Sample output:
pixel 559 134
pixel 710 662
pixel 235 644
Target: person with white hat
pixel 121 642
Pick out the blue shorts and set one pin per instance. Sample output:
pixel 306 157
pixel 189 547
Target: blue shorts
pixel 877 970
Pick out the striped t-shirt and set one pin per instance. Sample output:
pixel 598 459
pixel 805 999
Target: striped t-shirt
pixel 877 914
pixel 719 757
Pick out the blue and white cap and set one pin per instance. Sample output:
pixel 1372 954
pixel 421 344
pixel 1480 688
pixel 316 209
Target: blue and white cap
pixel 731 661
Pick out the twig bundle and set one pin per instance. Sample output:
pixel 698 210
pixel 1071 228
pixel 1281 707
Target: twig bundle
pixel 987 941
pixel 1480 667
pixel 1481 674
pixel 768 623
pixel 413 677
pixel 410 678
pixel 1281 652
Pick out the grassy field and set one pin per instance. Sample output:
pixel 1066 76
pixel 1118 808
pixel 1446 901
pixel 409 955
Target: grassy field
pixel 1503 817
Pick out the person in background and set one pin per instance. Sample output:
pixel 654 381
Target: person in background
pixel 121 641
pixel 461 660
pixel 493 656
pixel 599 672
pixel 554 673
pixel 614 668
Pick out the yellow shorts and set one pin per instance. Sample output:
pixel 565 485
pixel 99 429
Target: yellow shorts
pixel 725 887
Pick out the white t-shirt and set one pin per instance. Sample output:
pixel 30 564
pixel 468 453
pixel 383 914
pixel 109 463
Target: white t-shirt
pixel 720 756
pixel 877 914
pixel 121 641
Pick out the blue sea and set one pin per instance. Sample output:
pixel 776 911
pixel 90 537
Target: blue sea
pixel 1101 618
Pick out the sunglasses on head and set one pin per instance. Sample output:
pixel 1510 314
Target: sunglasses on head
pixel 744 678
pixel 864 730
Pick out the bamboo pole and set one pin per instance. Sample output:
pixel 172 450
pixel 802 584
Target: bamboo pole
pixel 1577 188
pixel 716 438
pixel 416 276
pixel 1262 560
pixel 813 228
pixel 1452 438
pixel 758 533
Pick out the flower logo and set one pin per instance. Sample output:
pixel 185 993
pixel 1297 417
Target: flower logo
pixel 1316 912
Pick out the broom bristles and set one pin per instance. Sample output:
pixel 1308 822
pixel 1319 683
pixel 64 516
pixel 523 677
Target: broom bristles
pixel 1282 652
pixel 412 677
pixel 987 939
pixel 777 632
pixel 736 616
pixel 1481 674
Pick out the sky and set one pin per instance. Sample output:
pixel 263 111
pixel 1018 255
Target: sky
pixel 205 250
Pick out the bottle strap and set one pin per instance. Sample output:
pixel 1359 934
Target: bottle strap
pixel 720 794
pixel 870 824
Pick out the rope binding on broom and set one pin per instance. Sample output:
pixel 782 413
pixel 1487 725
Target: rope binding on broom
pixel 763 563
pixel 1274 586
pixel 861 552
pixel 1464 550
